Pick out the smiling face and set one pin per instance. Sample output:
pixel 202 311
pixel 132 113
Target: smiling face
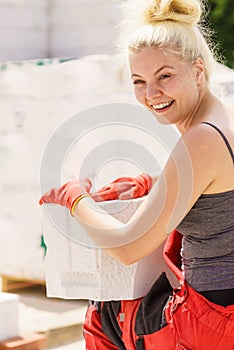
pixel 166 84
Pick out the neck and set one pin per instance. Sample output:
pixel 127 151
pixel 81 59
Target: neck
pixel 201 110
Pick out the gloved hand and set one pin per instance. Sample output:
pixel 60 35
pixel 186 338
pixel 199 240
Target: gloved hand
pixel 125 188
pixel 68 194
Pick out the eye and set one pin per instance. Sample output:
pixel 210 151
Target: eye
pixel 164 76
pixel 138 81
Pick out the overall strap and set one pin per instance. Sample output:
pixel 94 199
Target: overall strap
pixel 224 138
pixel 171 254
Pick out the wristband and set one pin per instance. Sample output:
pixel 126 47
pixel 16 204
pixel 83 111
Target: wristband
pixel 77 201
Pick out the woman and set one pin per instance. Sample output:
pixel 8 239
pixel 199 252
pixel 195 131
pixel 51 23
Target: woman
pixel 170 65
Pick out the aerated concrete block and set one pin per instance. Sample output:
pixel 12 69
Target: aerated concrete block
pixel 9 315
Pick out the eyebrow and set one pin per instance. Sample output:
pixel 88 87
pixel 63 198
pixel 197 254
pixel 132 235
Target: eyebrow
pixel 155 73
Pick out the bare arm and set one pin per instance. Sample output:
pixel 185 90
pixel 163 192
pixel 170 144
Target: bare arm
pixel 188 172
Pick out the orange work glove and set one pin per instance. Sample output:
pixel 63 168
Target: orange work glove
pixel 125 188
pixel 68 194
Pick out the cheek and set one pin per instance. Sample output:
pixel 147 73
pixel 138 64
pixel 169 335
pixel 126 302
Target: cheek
pixel 184 92
pixel 188 86
pixel 140 96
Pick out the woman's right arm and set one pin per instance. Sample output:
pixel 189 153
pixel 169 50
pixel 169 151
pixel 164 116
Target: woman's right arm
pixel 191 168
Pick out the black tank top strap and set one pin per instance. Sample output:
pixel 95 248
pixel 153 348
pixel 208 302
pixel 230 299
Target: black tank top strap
pixel 224 138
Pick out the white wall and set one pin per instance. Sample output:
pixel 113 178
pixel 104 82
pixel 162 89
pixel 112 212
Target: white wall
pixel 53 28
pixel 23 29
pixel 81 27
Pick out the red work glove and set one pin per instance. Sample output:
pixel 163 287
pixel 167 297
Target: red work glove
pixel 125 188
pixel 68 194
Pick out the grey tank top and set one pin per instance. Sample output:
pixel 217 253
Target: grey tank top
pixel 208 240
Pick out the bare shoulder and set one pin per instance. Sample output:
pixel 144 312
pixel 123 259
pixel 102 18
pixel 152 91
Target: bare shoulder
pixel 209 156
pixel 202 142
pixel 206 141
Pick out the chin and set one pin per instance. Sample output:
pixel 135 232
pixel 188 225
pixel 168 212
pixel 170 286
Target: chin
pixel 160 119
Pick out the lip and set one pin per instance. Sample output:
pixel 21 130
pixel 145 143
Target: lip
pixel 162 110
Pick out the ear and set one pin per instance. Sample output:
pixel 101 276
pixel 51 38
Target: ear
pixel 199 70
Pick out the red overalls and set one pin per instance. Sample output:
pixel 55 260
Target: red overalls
pixel 163 319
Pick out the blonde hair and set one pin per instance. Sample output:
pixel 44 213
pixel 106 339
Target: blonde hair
pixel 172 24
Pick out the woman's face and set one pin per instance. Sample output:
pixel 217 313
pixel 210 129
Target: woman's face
pixel 165 84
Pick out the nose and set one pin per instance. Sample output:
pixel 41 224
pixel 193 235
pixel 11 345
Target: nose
pixel 152 91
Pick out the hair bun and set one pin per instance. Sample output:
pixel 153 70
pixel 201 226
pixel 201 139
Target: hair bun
pixel 183 11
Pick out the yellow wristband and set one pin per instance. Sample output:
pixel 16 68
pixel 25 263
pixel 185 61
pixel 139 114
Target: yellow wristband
pixel 77 201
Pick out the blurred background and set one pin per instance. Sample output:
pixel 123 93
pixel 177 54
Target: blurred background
pixel 73 28
pixel 56 28
pixel 57 57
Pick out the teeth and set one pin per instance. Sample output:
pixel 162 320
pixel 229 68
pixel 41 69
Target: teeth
pixel 162 105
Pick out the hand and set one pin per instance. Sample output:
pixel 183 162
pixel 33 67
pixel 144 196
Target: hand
pixel 68 194
pixel 125 188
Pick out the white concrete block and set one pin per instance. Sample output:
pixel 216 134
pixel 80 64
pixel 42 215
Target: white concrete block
pixel 80 271
pixel 87 14
pixel 23 17
pixel 28 44
pixel 64 28
pixel 23 29
pixel 84 40
pixel 9 323
pixel 22 3
pixel 24 39
pixel 19 54
pixel 61 3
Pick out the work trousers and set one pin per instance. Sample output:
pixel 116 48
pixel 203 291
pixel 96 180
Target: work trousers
pixel 165 319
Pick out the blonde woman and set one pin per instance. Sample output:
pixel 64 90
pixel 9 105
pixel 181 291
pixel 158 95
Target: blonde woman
pixel 170 64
